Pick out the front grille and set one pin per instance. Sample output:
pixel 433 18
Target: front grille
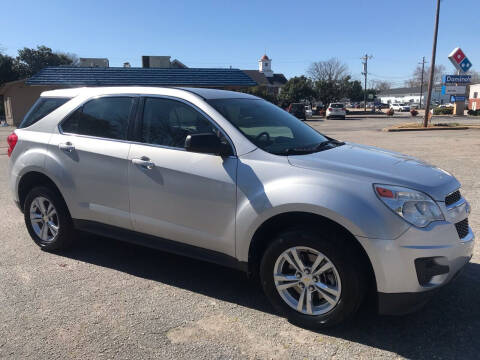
pixel 453 198
pixel 462 228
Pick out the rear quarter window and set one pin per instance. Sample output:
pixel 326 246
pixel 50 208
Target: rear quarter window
pixel 41 108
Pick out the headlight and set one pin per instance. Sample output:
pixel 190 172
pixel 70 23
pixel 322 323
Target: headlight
pixel 414 206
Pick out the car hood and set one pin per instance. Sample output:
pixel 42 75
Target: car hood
pixel 380 166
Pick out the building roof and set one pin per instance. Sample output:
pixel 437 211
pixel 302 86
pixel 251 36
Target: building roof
pixel 265 57
pixel 120 76
pixel 406 91
pixel 261 79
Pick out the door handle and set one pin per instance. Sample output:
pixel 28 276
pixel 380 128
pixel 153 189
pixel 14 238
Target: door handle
pixel 144 162
pixel 67 147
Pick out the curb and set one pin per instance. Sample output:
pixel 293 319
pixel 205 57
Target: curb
pixel 427 129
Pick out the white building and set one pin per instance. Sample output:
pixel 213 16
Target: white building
pixel 474 98
pixel 412 95
pixel 265 66
pixel 265 76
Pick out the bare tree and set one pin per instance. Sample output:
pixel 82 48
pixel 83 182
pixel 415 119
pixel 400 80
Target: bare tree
pixel 381 85
pixel 475 77
pixel 416 79
pixel 329 70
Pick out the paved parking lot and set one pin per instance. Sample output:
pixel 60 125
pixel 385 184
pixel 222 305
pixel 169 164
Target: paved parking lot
pixel 106 299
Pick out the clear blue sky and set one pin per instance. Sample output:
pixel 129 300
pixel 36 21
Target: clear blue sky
pixel 223 33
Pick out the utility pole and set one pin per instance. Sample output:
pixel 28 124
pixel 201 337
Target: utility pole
pixel 432 67
pixel 421 84
pixel 365 73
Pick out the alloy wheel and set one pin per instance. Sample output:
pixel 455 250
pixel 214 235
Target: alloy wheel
pixel 307 280
pixel 44 219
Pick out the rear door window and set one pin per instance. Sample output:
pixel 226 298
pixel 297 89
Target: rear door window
pixel 41 108
pixel 104 117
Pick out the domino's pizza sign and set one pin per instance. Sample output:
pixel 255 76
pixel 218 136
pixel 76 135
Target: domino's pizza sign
pixel 460 60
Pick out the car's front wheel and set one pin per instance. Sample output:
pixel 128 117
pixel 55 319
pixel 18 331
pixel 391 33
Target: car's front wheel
pixel 312 277
pixel 47 219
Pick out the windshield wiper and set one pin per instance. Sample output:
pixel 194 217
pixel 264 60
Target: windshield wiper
pixel 324 145
pixel 331 142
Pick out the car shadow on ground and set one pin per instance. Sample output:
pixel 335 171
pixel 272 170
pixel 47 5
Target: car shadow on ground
pixel 448 327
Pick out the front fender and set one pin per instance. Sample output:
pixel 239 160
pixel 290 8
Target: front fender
pixel 358 211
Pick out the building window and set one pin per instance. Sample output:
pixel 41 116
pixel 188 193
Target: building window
pixel 475 95
pixel 266 64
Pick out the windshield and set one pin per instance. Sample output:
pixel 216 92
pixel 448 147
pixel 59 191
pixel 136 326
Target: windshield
pixel 337 106
pixel 40 109
pixel 269 127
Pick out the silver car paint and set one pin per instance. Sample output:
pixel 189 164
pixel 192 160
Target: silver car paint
pixel 196 201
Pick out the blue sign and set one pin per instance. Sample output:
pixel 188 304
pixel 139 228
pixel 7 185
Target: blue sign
pixel 454 98
pixel 465 65
pixel 457 79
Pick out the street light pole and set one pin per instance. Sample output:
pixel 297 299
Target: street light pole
pixel 432 67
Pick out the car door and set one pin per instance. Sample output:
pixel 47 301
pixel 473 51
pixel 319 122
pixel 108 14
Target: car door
pixel 90 158
pixel 178 195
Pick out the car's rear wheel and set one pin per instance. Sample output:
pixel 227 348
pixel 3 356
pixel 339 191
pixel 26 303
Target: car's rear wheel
pixel 312 277
pixel 47 219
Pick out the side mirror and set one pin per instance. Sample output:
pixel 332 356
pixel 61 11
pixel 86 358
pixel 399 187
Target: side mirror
pixel 207 143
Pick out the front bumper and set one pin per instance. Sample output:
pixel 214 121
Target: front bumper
pixel 405 303
pixel 409 269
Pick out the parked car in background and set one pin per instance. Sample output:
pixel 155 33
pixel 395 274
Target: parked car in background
pixel 400 107
pixel 308 111
pixel 233 179
pixel 336 110
pixel 298 110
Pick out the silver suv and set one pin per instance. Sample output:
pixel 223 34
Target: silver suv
pixel 230 178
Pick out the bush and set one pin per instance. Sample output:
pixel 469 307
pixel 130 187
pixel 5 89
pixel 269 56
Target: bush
pixel 473 112
pixel 414 112
pixel 443 111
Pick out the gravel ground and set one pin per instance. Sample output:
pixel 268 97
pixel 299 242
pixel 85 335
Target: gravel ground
pixel 106 299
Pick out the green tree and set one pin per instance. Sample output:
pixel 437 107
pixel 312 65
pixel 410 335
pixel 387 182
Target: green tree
pixel 262 92
pixel 298 88
pixel 355 91
pixel 30 61
pixel 7 69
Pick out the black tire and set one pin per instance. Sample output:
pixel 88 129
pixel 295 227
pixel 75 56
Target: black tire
pixel 66 233
pixel 327 117
pixel 340 252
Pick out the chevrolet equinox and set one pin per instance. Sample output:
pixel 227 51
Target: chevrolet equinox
pixel 233 179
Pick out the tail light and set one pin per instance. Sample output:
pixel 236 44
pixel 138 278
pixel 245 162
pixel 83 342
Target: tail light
pixel 12 141
pixel 329 109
